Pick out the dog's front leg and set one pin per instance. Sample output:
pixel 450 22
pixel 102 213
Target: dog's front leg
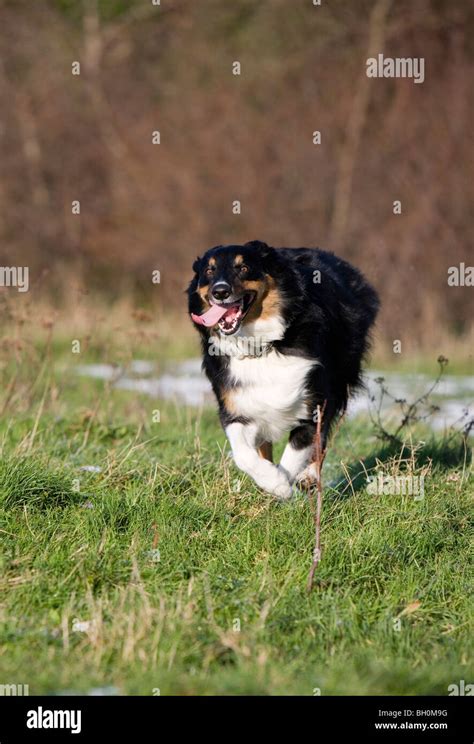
pixel 243 441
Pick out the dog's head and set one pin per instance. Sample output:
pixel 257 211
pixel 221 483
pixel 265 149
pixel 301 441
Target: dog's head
pixel 234 285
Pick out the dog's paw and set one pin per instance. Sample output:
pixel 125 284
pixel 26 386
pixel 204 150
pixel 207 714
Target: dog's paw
pixel 277 484
pixel 283 492
pixel 308 477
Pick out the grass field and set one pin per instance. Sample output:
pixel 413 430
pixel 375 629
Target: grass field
pixel 168 572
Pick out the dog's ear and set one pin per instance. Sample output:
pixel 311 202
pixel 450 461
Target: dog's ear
pixel 193 285
pixel 259 246
pixel 266 253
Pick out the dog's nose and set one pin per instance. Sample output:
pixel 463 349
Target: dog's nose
pixel 221 291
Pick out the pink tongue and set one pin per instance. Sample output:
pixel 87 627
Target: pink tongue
pixel 211 316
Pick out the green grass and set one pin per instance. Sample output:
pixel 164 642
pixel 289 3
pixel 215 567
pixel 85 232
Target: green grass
pixel 82 547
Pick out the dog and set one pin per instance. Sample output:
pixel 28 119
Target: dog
pixel 283 332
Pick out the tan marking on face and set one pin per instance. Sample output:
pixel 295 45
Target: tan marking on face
pixel 271 303
pixel 202 292
pixel 212 263
pixel 238 261
pixel 256 285
pixel 267 303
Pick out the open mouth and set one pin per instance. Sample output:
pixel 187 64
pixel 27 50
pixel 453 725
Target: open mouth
pixel 228 316
pixel 232 319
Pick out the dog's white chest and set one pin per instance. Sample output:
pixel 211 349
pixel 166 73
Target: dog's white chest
pixel 271 391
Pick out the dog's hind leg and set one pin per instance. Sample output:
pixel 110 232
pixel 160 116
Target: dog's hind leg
pixel 243 438
pixel 309 475
pixel 297 453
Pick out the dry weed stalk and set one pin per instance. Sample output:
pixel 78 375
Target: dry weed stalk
pixel 319 453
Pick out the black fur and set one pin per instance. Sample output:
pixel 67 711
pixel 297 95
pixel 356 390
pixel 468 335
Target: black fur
pixel 328 320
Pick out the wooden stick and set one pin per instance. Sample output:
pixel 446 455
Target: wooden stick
pixel 319 455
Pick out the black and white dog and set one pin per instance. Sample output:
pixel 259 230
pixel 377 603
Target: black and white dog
pixel 283 333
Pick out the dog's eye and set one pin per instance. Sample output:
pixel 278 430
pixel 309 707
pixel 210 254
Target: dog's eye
pixel 209 271
pixel 243 269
